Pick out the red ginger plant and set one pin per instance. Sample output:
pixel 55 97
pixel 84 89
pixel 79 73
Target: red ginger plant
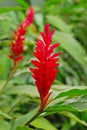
pixel 46 65
pixel 17 45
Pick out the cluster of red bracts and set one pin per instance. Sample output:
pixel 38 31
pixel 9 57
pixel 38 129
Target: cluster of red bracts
pixel 17 45
pixel 46 60
pixel 46 65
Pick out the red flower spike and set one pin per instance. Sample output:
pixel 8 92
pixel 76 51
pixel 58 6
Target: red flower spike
pixel 46 64
pixel 17 45
pixel 29 17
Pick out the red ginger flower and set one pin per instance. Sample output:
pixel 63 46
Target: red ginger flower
pixel 46 64
pixel 17 45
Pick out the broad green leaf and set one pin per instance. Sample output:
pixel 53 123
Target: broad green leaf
pixel 23 3
pixel 59 107
pixel 43 123
pixel 74 117
pixel 4 125
pixel 80 103
pixel 25 89
pixel 23 128
pixel 23 119
pixel 5 115
pixel 57 22
pixel 24 70
pixel 74 91
pixel 39 129
pixel 70 103
pixel 72 47
pixel 69 100
pixel 7 9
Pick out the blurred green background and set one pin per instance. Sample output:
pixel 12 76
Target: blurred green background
pixel 69 18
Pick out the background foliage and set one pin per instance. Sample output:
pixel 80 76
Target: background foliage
pixel 69 18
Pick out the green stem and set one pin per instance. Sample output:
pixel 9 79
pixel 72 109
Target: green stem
pixel 9 78
pixel 44 103
pixel 34 117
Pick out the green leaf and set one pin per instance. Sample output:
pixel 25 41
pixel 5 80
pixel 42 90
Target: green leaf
pixel 57 22
pixel 74 117
pixel 4 64
pixel 23 128
pixel 38 129
pixel 75 91
pixel 39 21
pixel 72 100
pixel 25 89
pixel 7 9
pixel 51 2
pixel 2 82
pixel 80 103
pixel 43 123
pixel 69 99
pixel 23 3
pixel 59 107
pixel 23 119
pixel 5 115
pixel 72 46
pixel 4 125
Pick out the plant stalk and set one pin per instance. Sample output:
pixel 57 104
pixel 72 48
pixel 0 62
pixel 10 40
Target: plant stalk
pixel 9 78
pixel 34 117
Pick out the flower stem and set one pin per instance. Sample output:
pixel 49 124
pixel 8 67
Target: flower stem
pixel 40 110
pixel 9 78
pixel 34 117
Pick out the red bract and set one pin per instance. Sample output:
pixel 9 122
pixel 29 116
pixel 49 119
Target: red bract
pixel 17 45
pixel 46 65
